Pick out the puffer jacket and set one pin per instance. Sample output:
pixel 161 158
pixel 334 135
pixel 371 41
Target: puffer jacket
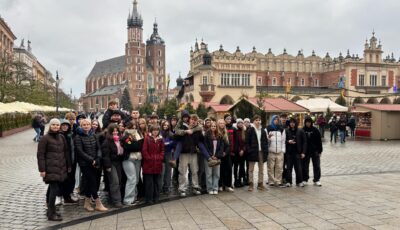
pixel 153 155
pixel 87 148
pixel 109 151
pixel 277 142
pixel 252 145
pixel 52 157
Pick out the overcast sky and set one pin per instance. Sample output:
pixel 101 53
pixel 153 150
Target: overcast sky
pixel 71 35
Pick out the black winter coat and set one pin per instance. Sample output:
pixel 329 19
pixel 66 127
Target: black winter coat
pixel 314 142
pixel 87 149
pixel 110 153
pixel 299 137
pixel 221 146
pixel 252 145
pixel 52 157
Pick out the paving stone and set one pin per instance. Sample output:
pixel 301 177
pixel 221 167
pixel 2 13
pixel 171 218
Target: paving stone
pixel 156 224
pixel 354 226
pixel 235 223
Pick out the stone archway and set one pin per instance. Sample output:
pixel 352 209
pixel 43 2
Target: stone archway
pixel 226 100
pixel 385 100
pixel 372 100
pixel 358 100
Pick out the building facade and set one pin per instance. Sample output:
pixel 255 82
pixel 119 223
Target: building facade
pixel 141 69
pixel 224 77
pixel 7 39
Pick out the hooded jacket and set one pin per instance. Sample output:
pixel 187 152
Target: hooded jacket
pixel 153 154
pixel 299 137
pixel 70 142
pixel 253 146
pixel 314 142
pixel 277 142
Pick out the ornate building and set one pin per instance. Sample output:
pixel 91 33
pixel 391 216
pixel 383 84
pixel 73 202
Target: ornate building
pixel 7 39
pixel 141 69
pixel 224 77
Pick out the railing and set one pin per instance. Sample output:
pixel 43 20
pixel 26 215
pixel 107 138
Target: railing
pixel 298 90
pixel 207 87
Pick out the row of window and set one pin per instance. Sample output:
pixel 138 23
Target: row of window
pixel 373 80
pixel 235 79
pixel 148 52
pixel 274 82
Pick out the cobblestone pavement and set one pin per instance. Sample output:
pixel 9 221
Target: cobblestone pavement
pixel 22 193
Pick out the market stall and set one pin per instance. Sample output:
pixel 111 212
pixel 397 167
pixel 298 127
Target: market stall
pixel 378 121
pixel 321 105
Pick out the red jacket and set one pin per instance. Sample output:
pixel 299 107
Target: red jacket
pixel 153 155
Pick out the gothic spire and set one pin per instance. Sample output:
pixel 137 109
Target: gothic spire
pixel 135 19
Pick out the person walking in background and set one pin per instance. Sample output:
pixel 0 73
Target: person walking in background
pixel 342 129
pixel 277 148
pixel 36 124
pixel 352 125
pixel 313 152
pixel 132 142
pixel 153 156
pixel 321 122
pixel 54 164
pixel 257 151
pixel 296 145
pixel 333 128
pixel 89 157
pixel 113 154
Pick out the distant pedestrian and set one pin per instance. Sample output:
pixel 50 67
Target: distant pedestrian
pixel 321 122
pixel 333 128
pixel 342 129
pixel 36 124
pixel 54 164
pixel 352 125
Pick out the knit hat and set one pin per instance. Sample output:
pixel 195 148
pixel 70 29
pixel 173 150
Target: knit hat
pixel 227 115
pixel 239 120
pixel 54 121
pixel 247 120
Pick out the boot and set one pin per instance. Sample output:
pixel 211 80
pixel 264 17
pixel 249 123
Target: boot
pixel 261 187
pixel 99 206
pixel 52 215
pixel 250 187
pixel 237 183
pixel 87 205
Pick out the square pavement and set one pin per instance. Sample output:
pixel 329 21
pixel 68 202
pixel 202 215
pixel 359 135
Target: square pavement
pixel 360 191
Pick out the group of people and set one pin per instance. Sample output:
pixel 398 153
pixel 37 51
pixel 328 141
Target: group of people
pixel 337 127
pixel 143 158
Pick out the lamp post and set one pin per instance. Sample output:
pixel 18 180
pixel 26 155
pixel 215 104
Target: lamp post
pixel 57 82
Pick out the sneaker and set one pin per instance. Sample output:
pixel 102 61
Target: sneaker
pixel 211 192
pixel 230 189
pixel 288 185
pixel 282 186
pixel 301 184
pixel 118 205
pixel 271 184
pixel 317 183
pixel 220 189
pixel 58 200
pixel 182 194
pixel 305 183
pixel 74 197
pixel 196 192
pixel 215 192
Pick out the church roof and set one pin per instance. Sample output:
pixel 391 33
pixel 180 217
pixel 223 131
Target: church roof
pixel 108 90
pixel 109 66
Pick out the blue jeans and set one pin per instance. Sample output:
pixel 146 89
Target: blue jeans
pixel 212 176
pixel 37 137
pixel 342 136
pixel 132 171
pixel 166 173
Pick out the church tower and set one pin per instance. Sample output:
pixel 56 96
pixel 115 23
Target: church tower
pixel 135 53
pixel 156 59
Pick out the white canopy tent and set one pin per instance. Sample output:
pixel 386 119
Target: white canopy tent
pixel 23 107
pixel 315 105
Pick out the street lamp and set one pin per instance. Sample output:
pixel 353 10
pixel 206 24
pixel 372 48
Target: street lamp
pixel 57 82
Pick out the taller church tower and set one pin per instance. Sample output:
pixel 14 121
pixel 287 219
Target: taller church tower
pixel 135 53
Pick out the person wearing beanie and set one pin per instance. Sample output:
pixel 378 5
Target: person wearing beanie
pixel 313 152
pixel 54 164
pixel 296 145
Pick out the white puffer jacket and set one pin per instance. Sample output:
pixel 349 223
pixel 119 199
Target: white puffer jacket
pixel 277 142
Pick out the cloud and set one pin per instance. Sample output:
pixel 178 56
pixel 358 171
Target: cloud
pixel 70 36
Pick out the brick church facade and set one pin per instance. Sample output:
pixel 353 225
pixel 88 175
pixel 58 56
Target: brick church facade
pixel 141 70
